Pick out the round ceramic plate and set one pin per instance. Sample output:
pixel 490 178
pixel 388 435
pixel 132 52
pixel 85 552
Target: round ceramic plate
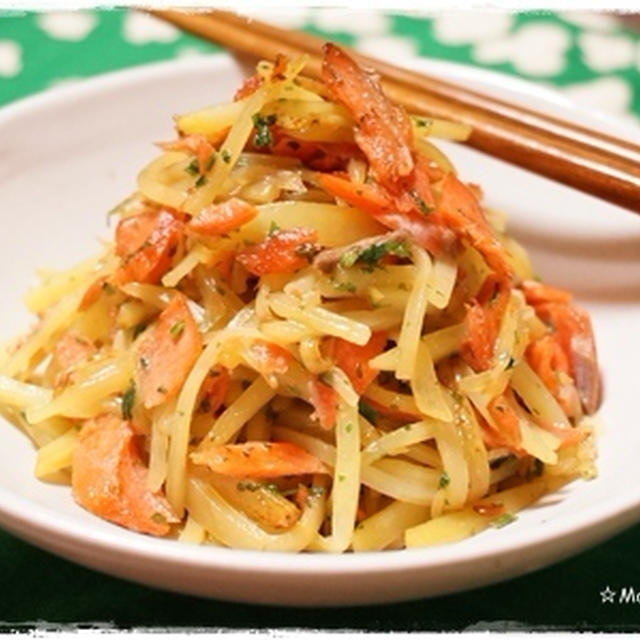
pixel 71 153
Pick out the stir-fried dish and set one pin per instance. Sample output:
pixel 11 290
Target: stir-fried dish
pixel 308 333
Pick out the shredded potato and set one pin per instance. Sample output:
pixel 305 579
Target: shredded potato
pixel 309 334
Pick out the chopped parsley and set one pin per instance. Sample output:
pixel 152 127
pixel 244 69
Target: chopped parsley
pixel 348 259
pixel 158 518
pixel 348 427
pixel 510 364
pixel 226 156
pixel 193 168
pixel 177 329
pixel 274 227
pixel 444 481
pixel 341 477
pixel 248 485
pixel 503 520
pixel 262 124
pixel 128 398
pixel 371 255
pixel 350 287
pixel 422 205
pixel 144 362
pixel 161 389
pixel 368 412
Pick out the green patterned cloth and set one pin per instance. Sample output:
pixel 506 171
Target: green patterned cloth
pixel 590 57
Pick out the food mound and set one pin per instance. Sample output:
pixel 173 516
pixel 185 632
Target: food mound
pixel 307 334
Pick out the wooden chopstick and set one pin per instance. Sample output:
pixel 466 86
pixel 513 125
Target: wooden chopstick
pixel 593 162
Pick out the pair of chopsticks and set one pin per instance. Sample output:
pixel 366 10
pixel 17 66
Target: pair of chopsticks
pixel 591 161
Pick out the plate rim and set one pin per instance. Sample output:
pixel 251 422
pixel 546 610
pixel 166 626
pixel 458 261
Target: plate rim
pixel 619 512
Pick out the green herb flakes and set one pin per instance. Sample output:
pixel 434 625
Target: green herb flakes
pixel 444 481
pixel 193 168
pixel 158 518
pixel 262 124
pixel 422 205
pixel 348 259
pixel 503 520
pixel 349 287
pixel 274 227
pixel 177 329
pixel 272 487
pixel 371 256
pixel 128 398
pixel 248 485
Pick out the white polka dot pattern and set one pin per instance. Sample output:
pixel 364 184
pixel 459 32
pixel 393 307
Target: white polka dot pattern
pixel 468 27
pixel 537 49
pixel 67 25
pixel 10 58
pixel 141 28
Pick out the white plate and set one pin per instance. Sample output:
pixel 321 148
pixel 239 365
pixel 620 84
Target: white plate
pixel 71 153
